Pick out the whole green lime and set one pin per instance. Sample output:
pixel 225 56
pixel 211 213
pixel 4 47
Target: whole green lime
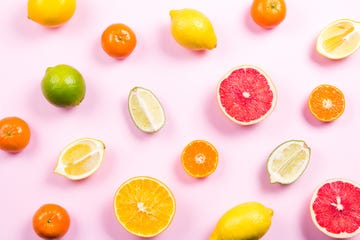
pixel 63 86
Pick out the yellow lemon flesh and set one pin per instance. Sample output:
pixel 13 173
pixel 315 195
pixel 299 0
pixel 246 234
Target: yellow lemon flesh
pixel 246 221
pixel 192 29
pixel 339 39
pixel 80 159
pixel 51 13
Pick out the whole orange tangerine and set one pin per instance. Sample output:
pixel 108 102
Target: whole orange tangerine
pixel 14 134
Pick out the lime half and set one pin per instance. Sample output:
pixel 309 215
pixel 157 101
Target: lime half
pixel 63 86
pixel 288 161
pixel 146 110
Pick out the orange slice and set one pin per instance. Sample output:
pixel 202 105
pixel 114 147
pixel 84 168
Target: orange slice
pixel 326 103
pixel 80 159
pixel 199 158
pixel 339 39
pixel 144 206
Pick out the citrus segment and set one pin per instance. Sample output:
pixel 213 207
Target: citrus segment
pixel 80 159
pixel 288 161
pixel 199 158
pixel 339 39
pixel 246 95
pixel 192 29
pixel 144 206
pixel 326 103
pixel 146 110
pixel 335 208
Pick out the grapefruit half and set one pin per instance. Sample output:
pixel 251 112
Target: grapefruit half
pixel 335 208
pixel 246 95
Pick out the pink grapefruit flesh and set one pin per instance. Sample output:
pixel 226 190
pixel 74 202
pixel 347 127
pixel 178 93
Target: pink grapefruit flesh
pixel 246 95
pixel 335 208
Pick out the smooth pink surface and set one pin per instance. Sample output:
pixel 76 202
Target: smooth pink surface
pixel 185 82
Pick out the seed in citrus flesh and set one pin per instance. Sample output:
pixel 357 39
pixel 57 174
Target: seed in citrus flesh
pixel 51 13
pixel 192 29
pixel 288 161
pixel 80 159
pixel 199 158
pixel 335 208
pixel 326 103
pixel 145 110
pixel 339 39
pixel 144 206
pixel 249 220
pixel 246 95
pixel 63 86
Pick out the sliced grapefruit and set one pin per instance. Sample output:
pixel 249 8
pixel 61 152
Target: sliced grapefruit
pixel 246 95
pixel 335 208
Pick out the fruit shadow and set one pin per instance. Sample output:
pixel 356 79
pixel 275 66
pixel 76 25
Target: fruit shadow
pixel 309 231
pixel 220 122
pixel 168 45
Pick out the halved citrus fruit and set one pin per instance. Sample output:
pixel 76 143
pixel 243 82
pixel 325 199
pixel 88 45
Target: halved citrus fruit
pixel 339 39
pixel 246 95
pixel 146 110
pixel 144 206
pixel 326 103
pixel 335 208
pixel 80 159
pixel 288 161
pixel 199 158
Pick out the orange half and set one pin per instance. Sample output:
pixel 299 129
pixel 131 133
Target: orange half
pixel 326 103
pixel 339 39
pixel 199 158
pixel 144 206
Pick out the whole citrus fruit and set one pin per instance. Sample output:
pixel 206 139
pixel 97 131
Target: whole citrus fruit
pixel 118 40
pixel 51 13
pixel 63 86
pixel 250 220
pixel 268 13
pixel 51 221
pixel 192 29
pixel 14 134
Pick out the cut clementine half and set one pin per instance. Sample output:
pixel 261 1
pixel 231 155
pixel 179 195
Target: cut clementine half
pixel 199 158
pixel 80 159
pixel 144 206
pixel 339 39
pixel 326 103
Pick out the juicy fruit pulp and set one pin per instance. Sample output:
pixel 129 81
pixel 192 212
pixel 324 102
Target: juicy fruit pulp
pixel 250 220
pixel 335 208
pixel 14 134
pixel 51 221
pixel 80 159
pixel 144 206
pixel 63 86
pixel 246 95
pixel 339 39
pixel 326 103
pixel 288 161
pixel 268 13
pixel 199 158
pixel 51 13
pixel 118 40
pixel 145 110
pixel 192 29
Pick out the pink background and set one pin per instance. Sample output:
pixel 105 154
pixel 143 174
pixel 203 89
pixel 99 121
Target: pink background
pixel 185 82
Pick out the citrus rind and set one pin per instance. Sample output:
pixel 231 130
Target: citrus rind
pixel 286 171
pixel 97 155
pixel 270 84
